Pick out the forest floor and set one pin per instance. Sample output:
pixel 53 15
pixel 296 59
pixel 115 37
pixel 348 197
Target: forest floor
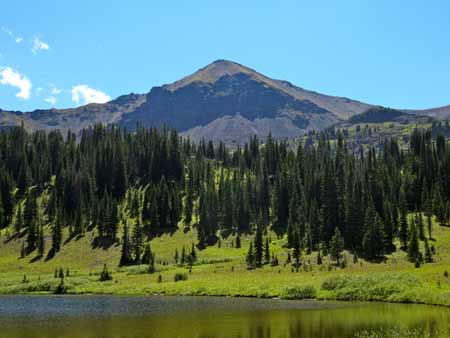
pixel 221 270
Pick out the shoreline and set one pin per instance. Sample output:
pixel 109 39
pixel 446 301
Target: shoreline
pixel 171 294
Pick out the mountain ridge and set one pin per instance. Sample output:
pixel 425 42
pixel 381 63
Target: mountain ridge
pixel 221 99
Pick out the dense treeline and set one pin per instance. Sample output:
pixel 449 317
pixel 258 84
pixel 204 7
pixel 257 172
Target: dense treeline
pixel 132 186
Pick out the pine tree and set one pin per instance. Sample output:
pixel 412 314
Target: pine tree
pixel 250 258
pixel 151 263
pixel 30 220
pixel 413 243
pixel 137 240
pixel 193 255
pixel 297 250
pixel 373 240
pixel 238 241
pixel 336 245
pixel 19 219
pixel 41 241
pixel 125 257
pixel 267 252
pixel 146 255
pixel 307 240
pixel 404 228
pixel 319 258
pixel 420 226
pixel 176 257
pixel 430 226
pixel 56 235
pixel 258 245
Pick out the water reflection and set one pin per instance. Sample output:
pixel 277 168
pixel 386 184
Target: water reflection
pixel 197 317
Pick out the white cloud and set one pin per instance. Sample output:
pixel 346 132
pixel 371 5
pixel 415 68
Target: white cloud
pixel 13 78
pixel 55 90
pixel 39 91
pixel 17 39
pixel 84 94
pixel 50 99
pixel 38 45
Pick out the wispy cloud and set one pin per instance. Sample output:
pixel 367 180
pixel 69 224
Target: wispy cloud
pixel 7 31
pixel 50 99
pixel 83 94
pixel 13 78
pixel 16 38
pixel 39 45
pixel 54 90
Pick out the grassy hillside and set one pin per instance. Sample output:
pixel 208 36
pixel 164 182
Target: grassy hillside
pixel 221 270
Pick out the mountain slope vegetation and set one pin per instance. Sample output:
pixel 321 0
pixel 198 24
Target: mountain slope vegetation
pixel 168 215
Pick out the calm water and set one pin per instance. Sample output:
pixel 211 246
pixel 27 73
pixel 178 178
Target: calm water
pixel 204 317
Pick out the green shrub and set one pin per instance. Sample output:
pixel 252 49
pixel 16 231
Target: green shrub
pixel 180 277
pixel 299 292
pixel 105 275
pixel 382 286
pixel 39 287
pixel 396 332
pixel 61 288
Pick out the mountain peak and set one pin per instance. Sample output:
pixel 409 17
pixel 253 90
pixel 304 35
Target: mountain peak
pixel 212 72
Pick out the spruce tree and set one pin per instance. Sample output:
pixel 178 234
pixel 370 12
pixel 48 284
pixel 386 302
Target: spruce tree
pixel 297 250
pixel 193 254
pixel 19 219
pixel 319 258
pixel 30 220
pixel 258 246
pixel 267 252
pixel 420 226
pixel 176 257
pixel 238 241
pixel 413 243
pixel 373 240
pixel 125 256
pixel 336 245
pixel 430 226
pixel 404 228
pixel 56 235
pixel 41 241
pixel 137 241
pixel 146 255
pixel 250 258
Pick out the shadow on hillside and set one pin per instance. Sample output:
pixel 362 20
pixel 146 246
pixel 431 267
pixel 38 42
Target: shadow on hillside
pixel 103 242
pixel 16 235
pixel 210 241
pixel 36 258
pixel 50 254
pixel 161 232
pixel 74 236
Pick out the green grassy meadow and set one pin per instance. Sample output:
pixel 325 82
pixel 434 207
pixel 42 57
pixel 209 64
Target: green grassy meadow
pixel 221 270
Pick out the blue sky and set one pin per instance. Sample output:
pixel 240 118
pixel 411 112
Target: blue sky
pixel 63 54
